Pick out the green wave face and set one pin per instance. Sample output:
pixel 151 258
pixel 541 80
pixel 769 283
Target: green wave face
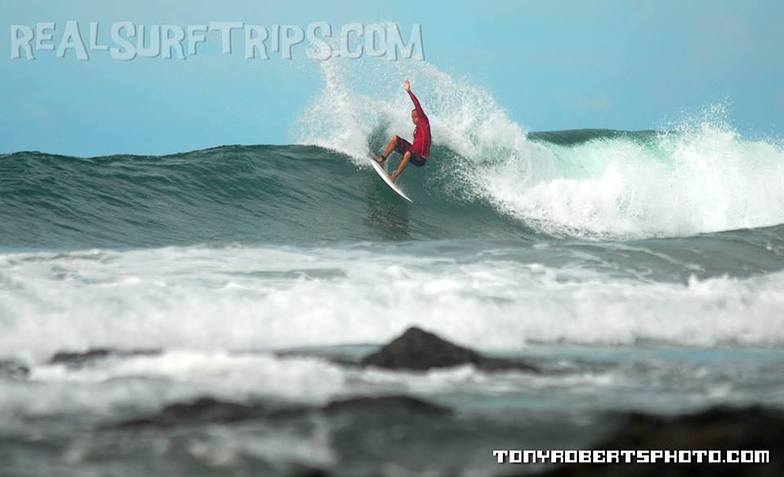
pixel 233 194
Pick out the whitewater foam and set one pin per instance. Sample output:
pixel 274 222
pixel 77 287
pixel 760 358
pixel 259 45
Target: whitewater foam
pixel 237 299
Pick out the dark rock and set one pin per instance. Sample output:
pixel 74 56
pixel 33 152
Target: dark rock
pixel 11 368
pixel 308 472
pixel 720 428
pixel 417 349
pixel 386 403
pixel 81 358
pixel 209 410
pixel 202 410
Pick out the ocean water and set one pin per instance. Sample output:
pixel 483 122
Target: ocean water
pixel 641 270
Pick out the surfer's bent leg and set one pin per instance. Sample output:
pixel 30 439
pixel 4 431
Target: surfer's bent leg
pixel 403 164
pixel 390 147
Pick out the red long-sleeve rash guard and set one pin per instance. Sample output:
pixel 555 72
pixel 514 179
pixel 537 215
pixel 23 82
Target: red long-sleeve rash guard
pixel 421 146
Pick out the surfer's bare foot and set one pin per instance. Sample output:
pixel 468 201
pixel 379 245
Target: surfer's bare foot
pixel 379 159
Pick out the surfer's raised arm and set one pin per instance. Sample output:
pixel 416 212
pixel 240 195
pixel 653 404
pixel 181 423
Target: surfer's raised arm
pixel 417 106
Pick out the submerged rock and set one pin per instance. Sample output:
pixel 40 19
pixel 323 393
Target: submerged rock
pixel 386 404
pixel 417 349
pixel 308 472
pixel 721 428
pixel 202 410
pixel 80 358
pixel 11 368
pixel 210 410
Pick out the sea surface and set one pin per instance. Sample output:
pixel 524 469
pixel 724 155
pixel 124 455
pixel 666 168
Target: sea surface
pixel 642 270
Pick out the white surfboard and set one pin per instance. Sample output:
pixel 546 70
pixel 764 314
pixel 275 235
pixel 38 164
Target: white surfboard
pixel 383 174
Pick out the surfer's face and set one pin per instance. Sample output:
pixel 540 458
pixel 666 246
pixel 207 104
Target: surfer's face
pixel 414 116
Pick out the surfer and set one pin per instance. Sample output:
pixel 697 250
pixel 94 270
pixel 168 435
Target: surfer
pixel 415 153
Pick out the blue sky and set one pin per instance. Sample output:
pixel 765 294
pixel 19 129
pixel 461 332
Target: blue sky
pixel 551 65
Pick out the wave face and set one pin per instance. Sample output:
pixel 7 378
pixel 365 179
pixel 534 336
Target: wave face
pixel 594 184
pixel 233 194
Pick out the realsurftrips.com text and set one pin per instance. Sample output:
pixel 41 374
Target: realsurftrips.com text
pixel 126 40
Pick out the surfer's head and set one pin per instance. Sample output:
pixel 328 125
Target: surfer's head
pixel 415 116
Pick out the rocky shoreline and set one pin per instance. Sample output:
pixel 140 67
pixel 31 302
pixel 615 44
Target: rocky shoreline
pixel 417 350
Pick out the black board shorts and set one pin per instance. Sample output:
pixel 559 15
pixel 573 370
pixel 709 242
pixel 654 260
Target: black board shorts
pixel 402 146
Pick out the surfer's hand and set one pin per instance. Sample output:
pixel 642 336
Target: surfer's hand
pixel 407 85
